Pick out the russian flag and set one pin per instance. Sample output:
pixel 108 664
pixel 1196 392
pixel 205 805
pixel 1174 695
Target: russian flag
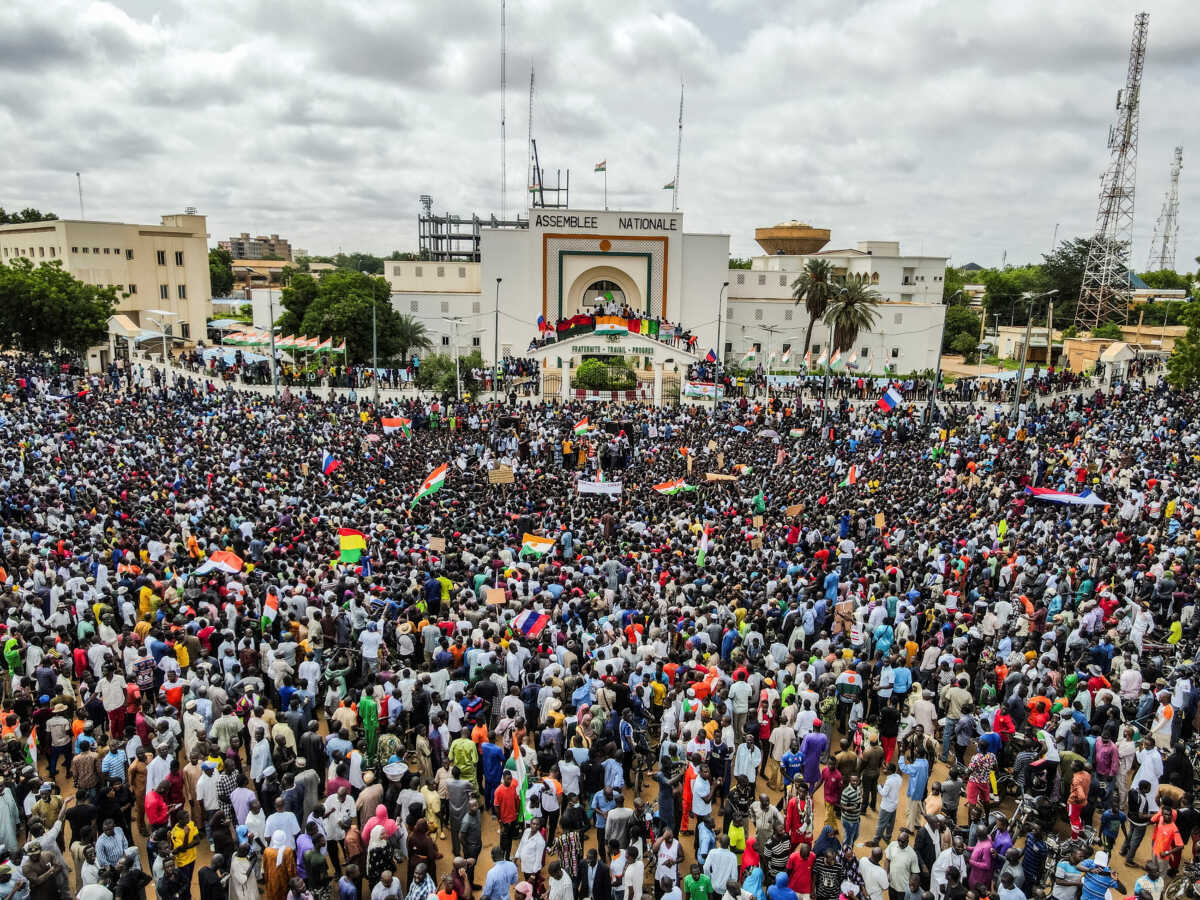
pixel 541 323
pixel 711 356
pixel 890 400
pixel 328 463
pixel 531 623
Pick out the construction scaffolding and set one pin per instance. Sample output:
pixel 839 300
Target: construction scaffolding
pixel 450 238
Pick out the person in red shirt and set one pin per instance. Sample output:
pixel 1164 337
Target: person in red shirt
pixel 156 809
pixel 505 802
pixel 799 870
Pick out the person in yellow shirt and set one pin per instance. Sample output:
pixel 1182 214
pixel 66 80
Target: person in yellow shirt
pixel 184 838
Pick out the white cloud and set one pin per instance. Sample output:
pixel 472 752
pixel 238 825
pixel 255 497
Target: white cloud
pixel 965 128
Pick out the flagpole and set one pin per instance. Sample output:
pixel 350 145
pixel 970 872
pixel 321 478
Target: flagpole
pixel 606 187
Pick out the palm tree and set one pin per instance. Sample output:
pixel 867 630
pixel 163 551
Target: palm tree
pixel 411 335
pixel 815 287
pixel 852 310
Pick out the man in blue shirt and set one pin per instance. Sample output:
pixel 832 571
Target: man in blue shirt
pixel 918 777
pixel 603 802
pixel 901 682
pixel 501 877
pixel 1098 878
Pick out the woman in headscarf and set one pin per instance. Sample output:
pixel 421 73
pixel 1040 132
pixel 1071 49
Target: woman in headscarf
pixel 422 848
pixel 379 819
pixel 827 840
pixel 753 875
pixel 979 863
pixel 279 866
pixel 750 857
pixel 379 856
pixel 243 875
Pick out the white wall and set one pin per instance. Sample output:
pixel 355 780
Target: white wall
pixel 430 277
pixel 506 254
pixel 705 268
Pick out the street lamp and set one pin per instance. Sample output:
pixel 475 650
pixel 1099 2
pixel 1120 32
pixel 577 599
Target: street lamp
pixel 496 346
pixel 374 339
pixel 937 370
pixel 151 314
pixel 825 374
pixel 1016 405
pixel 720 316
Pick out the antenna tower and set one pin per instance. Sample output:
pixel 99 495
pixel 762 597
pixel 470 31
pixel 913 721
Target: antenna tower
pixel 530 172
pixel 678 152
pixel 1104 295
pixel 503 85
pixel 1166 229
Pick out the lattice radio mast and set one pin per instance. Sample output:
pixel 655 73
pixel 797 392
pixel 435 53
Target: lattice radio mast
pixel 1104 294
pixel 503 87
pixel 1166 229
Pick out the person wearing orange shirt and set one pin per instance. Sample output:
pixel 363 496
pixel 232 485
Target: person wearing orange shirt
pixel 1081 783
pixel 1166 841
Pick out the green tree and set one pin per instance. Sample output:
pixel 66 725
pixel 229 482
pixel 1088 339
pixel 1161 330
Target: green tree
pixel 739 262
pixel 1109 331
pixel 411 335
pixel 1063 269
pixel 952 284
pixel 295 298
pixel 359 262
pixel 46 308
pixel 220 272
pixel 344 304
pixel 29 214
pixel 1183 367
pixel 851 311
pixel 605 375
pixel 1006 292
pixel 402 255
pixel 960 320
pixel 1167 280
pixel 965 344
pixel 815 287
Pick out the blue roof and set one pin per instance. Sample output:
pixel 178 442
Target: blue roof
pixel 1135 282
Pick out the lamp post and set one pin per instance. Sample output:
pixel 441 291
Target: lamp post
pixel 1016 406
pixel 274 359
pixel 454 320
pixel 937 369
pixel 496 346
pixel 770 330
pixel 720 316
pixel 825 374
pixel 374 340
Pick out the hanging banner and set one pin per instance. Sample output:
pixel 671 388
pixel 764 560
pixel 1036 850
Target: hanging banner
pixel 611 488
pixel 706 389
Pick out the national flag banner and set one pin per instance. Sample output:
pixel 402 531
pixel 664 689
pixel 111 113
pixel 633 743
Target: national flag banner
pixel 342 348
pixel 760 502
pixel 535 544
pixel 582 427
pixel 602 166
pixel 673 487
pixel 329 463
pixel 853 361
pixel 531 623
pixel 669 186
pixel 221 561
pixel 835 361
pixel 533 189
pixel 352 544
pixel 821 359
pixel 611 325
pixel 520 777
pixel 742 468
pixel 325 346
pixel 787 356
pixel 270 609
pixel 796 433
pixel 541 323
pixel 750 355
pixel 851 477
pixel 431 485
pixel 890 400
pixel 1083 498
pixel 702 550
pixel 711 356
pixel 390 426
pixel 31 747
pixel 807 359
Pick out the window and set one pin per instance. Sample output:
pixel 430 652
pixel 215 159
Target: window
pixel 816 349
pixel 741 279
pixel 86 250
pixel 129 254
pixel 445 306
pixel 52 253
pixel 895 353
pixel 786 348
pixel 181 291
pixel 462 271
pixel 96 250
pixel 729 313
pixel 762 279
pixel 475 307
pixel 787 315
pixel 897 318
pixel 133 289
pixel 758 314
pixel 419 271
pixel 757 347
pixel 116 251
pixel 441 271
pixel 162 291
pixel 161 255
pixel 445 340
pixel 6 251
pixel 415 305
pixel 396 270
pixel 74 249
pixel 179 257
pixel 475 341
pixel 185 330
pixel 783 281
pixel 728 347
pixel 106 251
pixel 864 352
pixel 41 251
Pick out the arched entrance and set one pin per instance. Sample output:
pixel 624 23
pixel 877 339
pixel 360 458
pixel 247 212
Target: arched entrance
pixel 586 295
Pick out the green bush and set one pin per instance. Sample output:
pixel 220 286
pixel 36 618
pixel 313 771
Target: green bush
pixel 602 375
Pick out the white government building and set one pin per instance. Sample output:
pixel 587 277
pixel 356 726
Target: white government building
pixel 566 262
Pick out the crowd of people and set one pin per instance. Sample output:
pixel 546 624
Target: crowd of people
pixel 747 653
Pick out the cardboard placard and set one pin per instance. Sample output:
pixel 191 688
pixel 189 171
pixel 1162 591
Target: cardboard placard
pixel 501 475
pixel 879 520
pixel 712 445
pixel 494 597
pixel 720 460
pixel 758 521
pixel 437 544
pixel 794 510
pixel 756 544
pixel 717 476
pixel 689 465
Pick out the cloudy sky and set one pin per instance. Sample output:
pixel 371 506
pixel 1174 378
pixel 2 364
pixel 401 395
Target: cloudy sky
pixel 959 128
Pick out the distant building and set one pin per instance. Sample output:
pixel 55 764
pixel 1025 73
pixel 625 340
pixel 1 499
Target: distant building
pixel 160 271
pixel 261 247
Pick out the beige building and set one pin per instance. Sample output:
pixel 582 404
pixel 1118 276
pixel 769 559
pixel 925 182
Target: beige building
pixel 156 269
pixel 264 245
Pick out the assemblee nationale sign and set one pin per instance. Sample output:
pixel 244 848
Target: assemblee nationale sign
pixel 624 223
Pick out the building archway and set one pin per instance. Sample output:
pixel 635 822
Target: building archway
pixel 580 296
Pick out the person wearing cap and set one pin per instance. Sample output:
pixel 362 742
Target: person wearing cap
pixel 58 730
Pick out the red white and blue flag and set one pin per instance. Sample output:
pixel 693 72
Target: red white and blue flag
pixel 1083 498
pixel 890 400
pixel 329 463
pixel 531 623
pixel 711 356
pixel 541 323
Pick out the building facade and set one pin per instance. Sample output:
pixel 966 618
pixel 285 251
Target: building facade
pixel 160 271
pixel 263 246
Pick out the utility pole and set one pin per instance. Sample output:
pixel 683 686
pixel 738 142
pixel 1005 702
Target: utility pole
pixel 374 341
pixel 1016 407
pixel 937 369
pixel 454 320
pixel 271 316
pixel 720 316
pixel 79 183
pixel 496 345
pixel 1050 334
pixel 770 330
